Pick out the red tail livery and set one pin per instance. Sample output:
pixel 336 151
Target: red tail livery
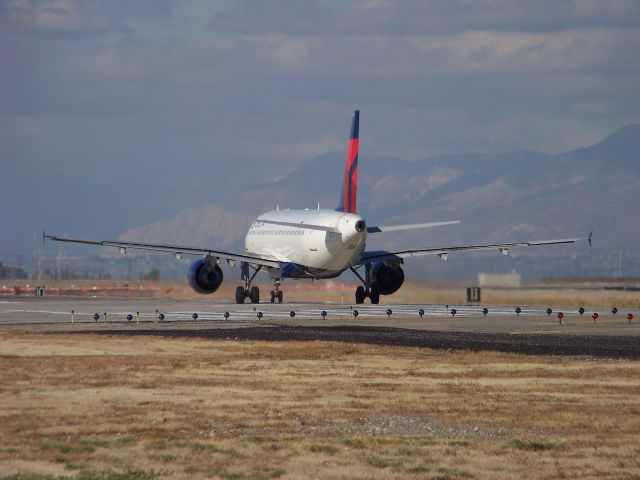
pixel 350 179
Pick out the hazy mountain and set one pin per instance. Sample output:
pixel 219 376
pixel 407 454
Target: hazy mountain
pixel 509 196
pixel 499 197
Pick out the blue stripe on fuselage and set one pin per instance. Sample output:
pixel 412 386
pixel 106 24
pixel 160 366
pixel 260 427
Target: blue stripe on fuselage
pixel 295 270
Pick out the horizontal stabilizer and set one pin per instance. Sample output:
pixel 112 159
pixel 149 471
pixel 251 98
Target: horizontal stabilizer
pixel 413 226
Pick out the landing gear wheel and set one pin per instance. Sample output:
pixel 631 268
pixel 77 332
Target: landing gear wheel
pixel 360 295
pixel 254 295
pixel 272 296
pixel 240 295
pixel 279 295
pixel 374 295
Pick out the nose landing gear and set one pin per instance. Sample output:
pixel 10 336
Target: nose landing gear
pixel 276 293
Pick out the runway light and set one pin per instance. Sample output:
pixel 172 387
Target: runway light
pixel 549 311
pixel 421 312
pixel 194 316
pixel 453 312
pixel 560 317
pixel 323 314
pixel 161 317
pixel 389 312
pixel 355 314
pixel 259 315
pixel 629 317
pixel 518 310
pixel 595 316
pixel 292 314
pixel 485 310
pixel 226 315
pixel 581 311
pixel 96 316
pixel 129 317
pixel 614 310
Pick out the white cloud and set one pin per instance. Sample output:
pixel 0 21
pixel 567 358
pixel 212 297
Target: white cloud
pixel 55 16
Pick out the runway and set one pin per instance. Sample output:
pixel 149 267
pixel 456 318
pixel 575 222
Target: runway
pixel 429 325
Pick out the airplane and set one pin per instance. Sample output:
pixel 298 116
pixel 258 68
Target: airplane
pixel 312 244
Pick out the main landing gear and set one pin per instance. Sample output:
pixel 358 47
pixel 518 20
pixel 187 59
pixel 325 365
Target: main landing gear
pixel 366 290
pixel 252 293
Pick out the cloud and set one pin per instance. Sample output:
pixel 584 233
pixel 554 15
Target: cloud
pixel 78 17
pixel 55 16
pixel 427 17
pixel 253 88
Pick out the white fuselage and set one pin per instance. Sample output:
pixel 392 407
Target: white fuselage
pixel 315 253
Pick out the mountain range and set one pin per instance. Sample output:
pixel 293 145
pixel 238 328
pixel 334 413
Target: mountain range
pixel 513 196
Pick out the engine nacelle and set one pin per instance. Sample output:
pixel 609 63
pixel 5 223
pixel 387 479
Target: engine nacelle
pixel 205 276
pixel 388 279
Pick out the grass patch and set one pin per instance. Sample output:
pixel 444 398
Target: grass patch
pixel 128 475
pixel 458 443
pixel 384 385
pixel 234 475
pixel 81 446
pixel 258 439
pixel 158 444
pixel 201 447
pixel 454 473
pixel 323 448
pixel 380 462
pixel 417 469
pixel 163 457
pixel 125 440
pixel 408 452
pixel 372 441
pixel 535 445
pixel 353 442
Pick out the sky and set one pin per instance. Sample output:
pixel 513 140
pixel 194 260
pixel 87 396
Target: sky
pixel 108 93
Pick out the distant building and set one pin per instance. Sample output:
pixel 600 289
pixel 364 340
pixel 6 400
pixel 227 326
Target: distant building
pixel 500 280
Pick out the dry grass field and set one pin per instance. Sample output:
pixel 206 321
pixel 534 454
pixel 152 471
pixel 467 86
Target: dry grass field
pixel 340 292
pixel 98 407
pixel 343 292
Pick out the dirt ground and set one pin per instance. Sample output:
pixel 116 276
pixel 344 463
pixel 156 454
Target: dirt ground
pixel 97 407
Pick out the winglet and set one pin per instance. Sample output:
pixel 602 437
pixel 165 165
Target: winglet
pixel 44 235
pixel 589 239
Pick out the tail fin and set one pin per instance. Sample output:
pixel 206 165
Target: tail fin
pixel 350 179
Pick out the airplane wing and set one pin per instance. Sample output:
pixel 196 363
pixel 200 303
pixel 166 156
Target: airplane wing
pixel 412 226
pixel 175 249
pixel 443 252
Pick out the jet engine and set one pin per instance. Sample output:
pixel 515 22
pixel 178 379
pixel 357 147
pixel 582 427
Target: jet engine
pixel 387 279
pixel 205 276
